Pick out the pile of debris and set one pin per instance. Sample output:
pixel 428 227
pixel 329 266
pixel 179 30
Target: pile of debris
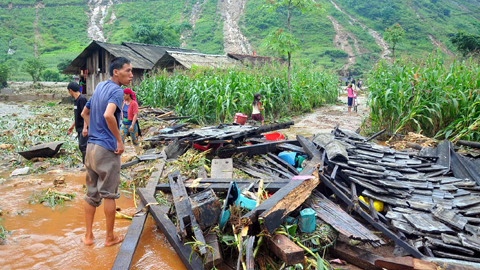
pixel 427 201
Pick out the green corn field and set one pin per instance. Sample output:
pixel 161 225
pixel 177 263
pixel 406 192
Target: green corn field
pixel 213 96
pixel 436 98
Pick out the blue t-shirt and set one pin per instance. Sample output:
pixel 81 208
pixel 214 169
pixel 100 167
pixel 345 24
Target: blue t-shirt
pixel 125 115
pixel 98 132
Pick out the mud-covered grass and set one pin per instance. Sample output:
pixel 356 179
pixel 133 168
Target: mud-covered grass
pixel 50 197
pixel 46 122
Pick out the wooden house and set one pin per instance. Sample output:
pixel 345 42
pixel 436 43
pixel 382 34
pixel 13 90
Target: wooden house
pixel 93 62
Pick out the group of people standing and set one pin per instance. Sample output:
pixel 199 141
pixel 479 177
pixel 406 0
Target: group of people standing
pixel 101 141
pixel 355 84
pixel 352 87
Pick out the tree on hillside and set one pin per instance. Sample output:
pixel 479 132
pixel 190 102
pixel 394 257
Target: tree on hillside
pixel 467 44
pixel 393 35
pixel 285 43
pixel 158 34
pixel 34 67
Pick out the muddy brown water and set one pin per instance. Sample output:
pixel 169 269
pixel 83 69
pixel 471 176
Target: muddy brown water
pixel 46 239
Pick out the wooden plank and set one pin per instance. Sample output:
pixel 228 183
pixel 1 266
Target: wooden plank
pixel 369 186
pixel 378 225
pixel 223 187
pixel 283 163
pixel 222 168
pixel 285 249
pixel 124 257
pixel 167 227
pixel 339 219
pixel 469 242
pixel 356 256
pixel 405 263
pixel 466 201
pixel 426 223
pixel 451 239
pixel 273 210
pixel 455 256
pixel 214 257
pixel 257 149
pixel 366 166
pixel 440 244
pixel 249 260
pixel 386 199
pixel 450 217
pixel 186 221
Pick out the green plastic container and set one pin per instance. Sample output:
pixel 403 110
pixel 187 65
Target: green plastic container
pixel 307 220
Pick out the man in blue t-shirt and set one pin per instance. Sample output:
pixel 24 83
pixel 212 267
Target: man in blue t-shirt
pixel 102 160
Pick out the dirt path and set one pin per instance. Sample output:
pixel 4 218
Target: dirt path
pixel 325 118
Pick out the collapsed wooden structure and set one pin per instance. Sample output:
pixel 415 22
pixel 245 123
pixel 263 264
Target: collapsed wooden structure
pixel 431 197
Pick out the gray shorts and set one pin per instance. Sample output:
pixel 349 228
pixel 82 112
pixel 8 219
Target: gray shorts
pixel 103 174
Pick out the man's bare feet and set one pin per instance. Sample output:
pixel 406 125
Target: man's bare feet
pixel 88 240
pixel 114 241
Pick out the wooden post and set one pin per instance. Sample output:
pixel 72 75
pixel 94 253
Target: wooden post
pixel 285 249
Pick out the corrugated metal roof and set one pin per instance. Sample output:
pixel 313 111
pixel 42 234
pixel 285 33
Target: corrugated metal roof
pixel 199 59
pixel 152 52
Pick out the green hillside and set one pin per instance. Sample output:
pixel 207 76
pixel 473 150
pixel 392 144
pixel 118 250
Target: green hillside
pixel 59 28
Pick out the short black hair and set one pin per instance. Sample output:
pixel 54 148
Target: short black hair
pixel 73 86
pixel 117 63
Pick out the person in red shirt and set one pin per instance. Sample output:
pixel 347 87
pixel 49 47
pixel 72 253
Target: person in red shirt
pixel 129 118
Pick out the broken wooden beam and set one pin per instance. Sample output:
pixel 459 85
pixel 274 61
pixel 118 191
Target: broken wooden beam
pixel 186 221
pixel 356 256
pixel 285 249
pixel 124 257
pixel 159 213
pixel 273 210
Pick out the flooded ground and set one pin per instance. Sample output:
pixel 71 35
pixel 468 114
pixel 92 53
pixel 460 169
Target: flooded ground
pixel 41 238
pixel 45 239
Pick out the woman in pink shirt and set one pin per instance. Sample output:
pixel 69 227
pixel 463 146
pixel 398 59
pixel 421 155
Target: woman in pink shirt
pixel 351 95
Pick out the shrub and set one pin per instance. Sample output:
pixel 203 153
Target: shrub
pixel 4 73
